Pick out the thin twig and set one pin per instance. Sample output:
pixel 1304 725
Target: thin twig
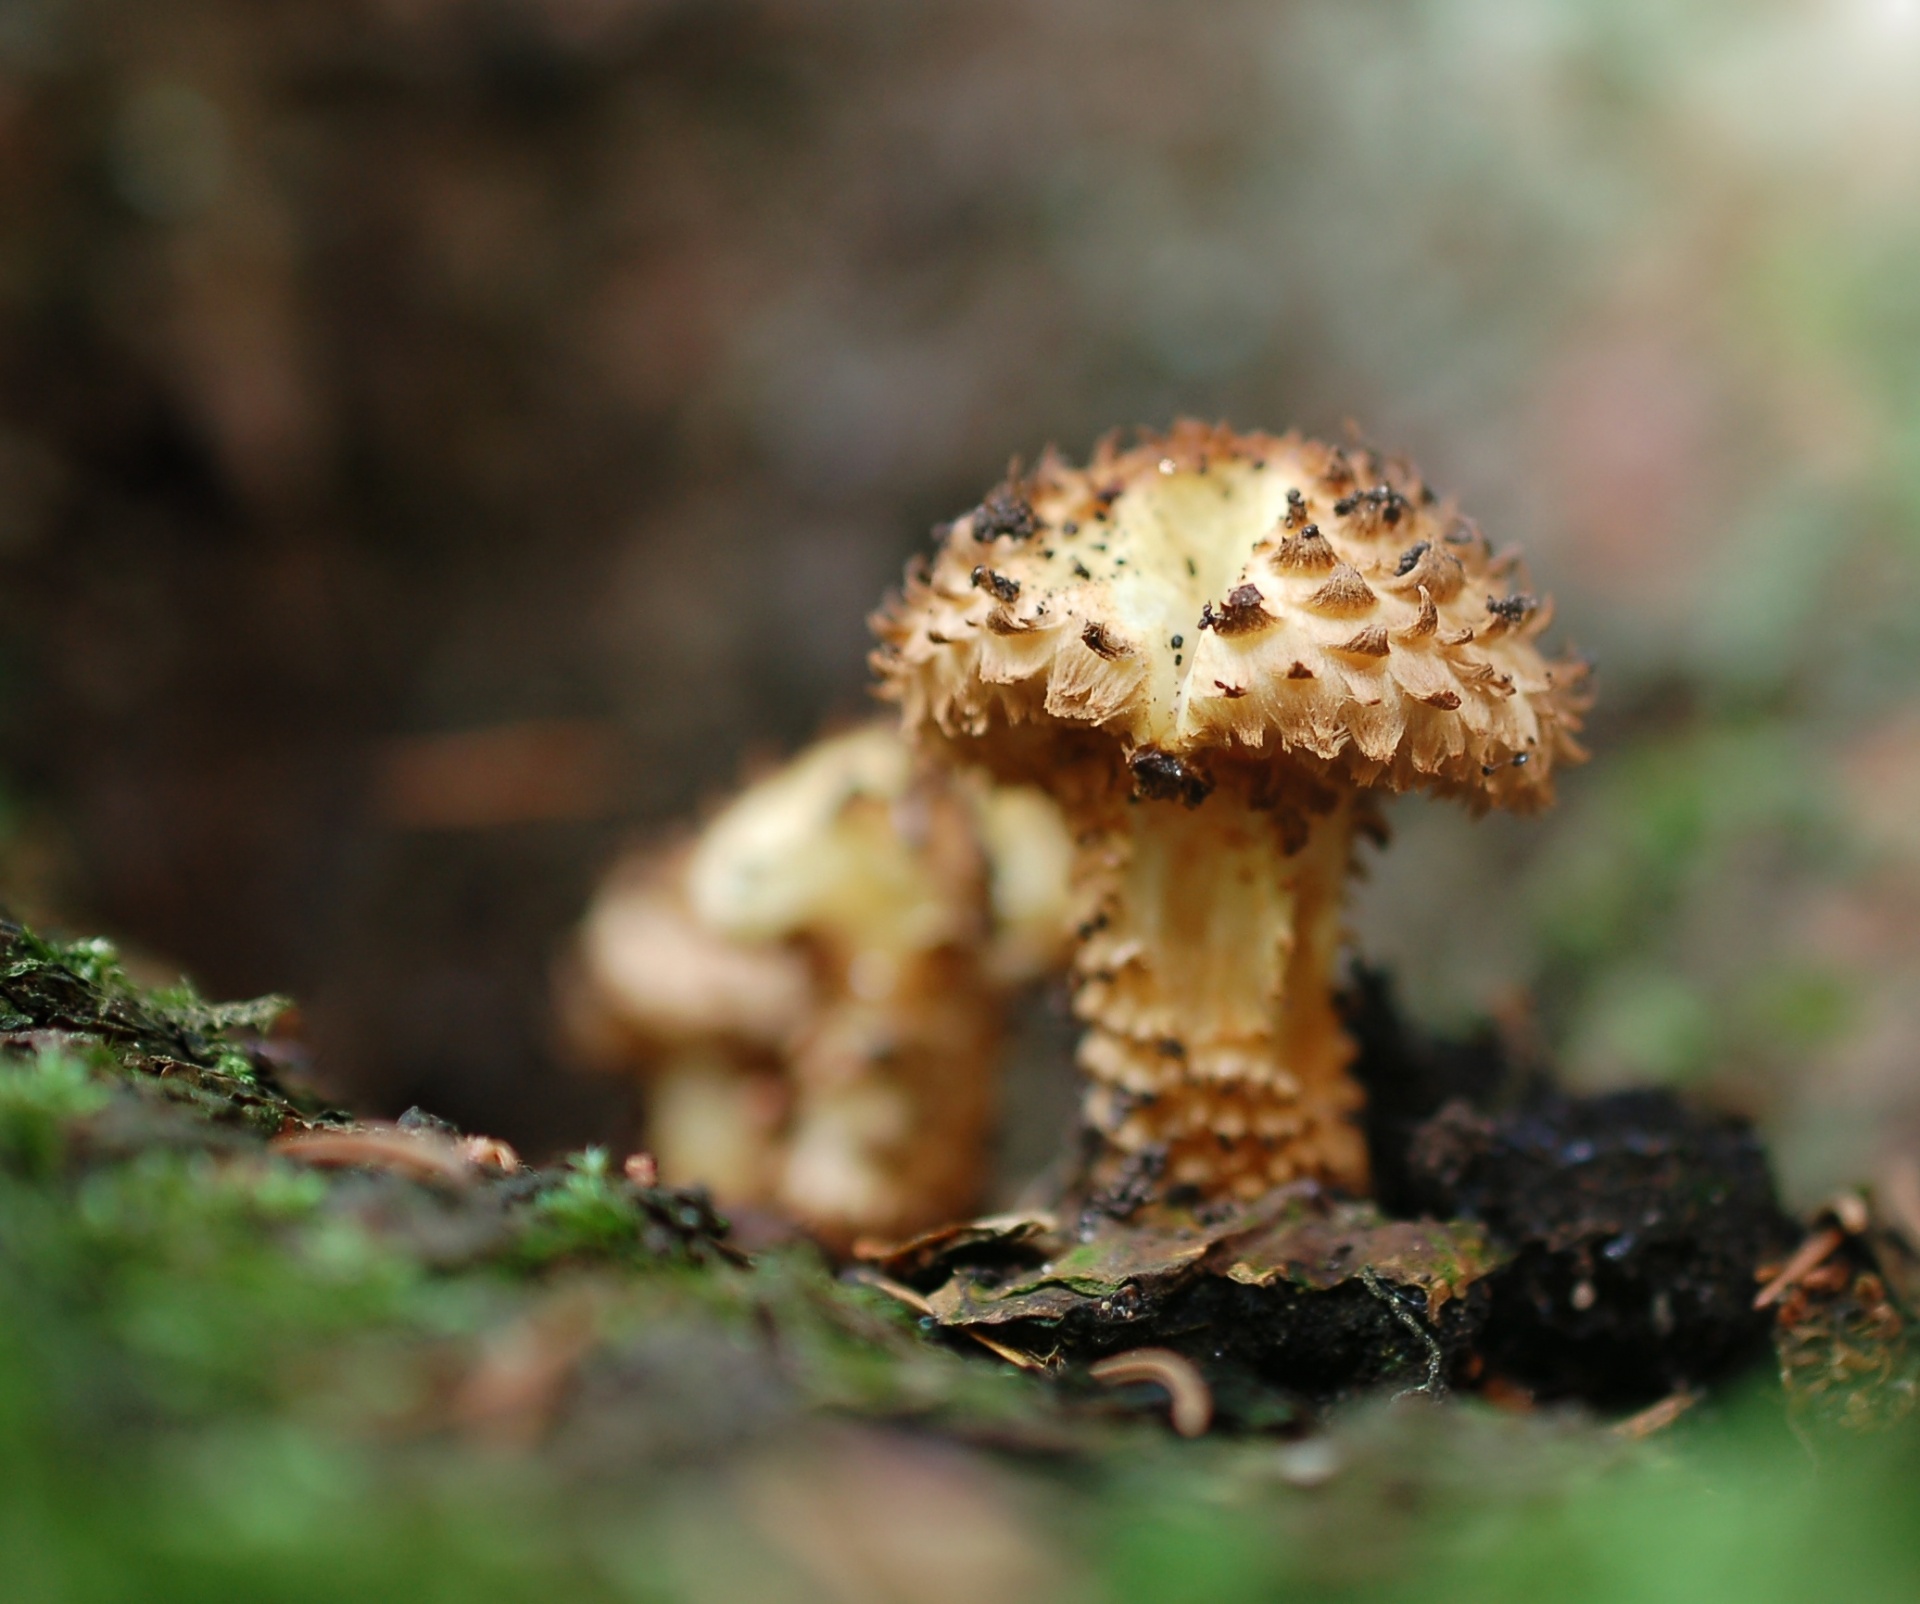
pixel 1808 1257
pixel 1899 1192
pixel 1436 1383
pixel 423 1155
pixel 1189 1396
pixel 1031 1363
pixel 896 1290
pixel 1655 1417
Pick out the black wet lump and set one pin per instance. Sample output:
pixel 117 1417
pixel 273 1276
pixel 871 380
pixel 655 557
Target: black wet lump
pixel 1267 1343
pixel 1244 610
pixel 1161 777
pixel 1004 513
pixel 1408 1077
pixel 1007 590
pixel 1662 1212
pixel 1637 1225
pixel 1514 609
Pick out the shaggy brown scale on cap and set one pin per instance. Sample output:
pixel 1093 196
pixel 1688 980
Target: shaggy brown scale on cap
pixel 1211 646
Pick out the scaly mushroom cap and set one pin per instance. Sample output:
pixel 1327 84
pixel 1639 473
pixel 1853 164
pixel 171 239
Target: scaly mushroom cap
pixel 819 847
pixel 1207 593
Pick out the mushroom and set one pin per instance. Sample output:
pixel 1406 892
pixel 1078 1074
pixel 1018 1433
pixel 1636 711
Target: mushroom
pixel 651 991
pixel 814 987
pixel 1217 651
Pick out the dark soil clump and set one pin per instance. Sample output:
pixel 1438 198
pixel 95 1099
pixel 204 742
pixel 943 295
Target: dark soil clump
pixel 1262 1344
pixel 1409 1077
pixel 1636 1225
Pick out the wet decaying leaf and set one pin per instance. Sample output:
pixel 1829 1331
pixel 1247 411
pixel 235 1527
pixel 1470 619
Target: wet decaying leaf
pixel 1314 1297
pixel 923 1260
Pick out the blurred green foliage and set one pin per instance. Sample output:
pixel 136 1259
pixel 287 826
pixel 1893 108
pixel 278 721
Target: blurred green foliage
pixel 1732 1512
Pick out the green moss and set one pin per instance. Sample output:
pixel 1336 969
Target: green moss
pixel 40 1095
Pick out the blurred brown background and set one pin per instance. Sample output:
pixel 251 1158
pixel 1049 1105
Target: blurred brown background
pixel 439 438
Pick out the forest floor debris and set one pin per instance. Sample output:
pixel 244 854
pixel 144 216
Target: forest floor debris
pixel 233 1372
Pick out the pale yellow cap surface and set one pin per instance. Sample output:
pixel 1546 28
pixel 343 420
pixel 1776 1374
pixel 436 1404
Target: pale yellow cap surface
pixel 1206 595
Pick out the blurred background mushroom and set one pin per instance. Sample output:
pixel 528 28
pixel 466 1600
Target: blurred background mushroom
pixel 400 396
pixel 815 990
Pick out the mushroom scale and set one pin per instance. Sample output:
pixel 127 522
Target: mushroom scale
pixel 1216 649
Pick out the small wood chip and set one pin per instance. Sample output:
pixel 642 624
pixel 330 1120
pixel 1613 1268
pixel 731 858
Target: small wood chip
pixel 1810 1255
pixel 1032 1363
pixel 423 1155
pixel 1312 1463
pixel 888 1287
pixel 1185 1387
pixel 1655 1417
pixel 1898 1194
pixel 1849 1210
pixel 490 1153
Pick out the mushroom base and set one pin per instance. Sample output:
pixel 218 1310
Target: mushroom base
pixel 1216 1059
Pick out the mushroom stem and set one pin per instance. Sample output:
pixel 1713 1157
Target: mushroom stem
pixel 892 1106
pixel 1216 1057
